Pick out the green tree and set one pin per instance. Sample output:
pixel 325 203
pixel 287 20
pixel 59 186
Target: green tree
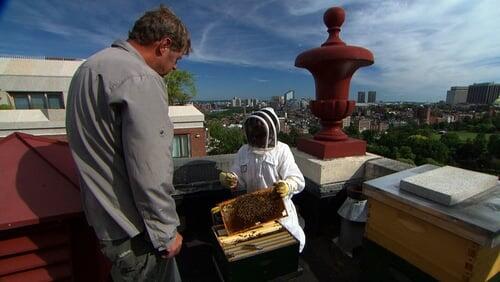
pixel 224 140
pixel 352 131
pixel 314 128
pixel 494 146
pixel 425 148
pixel 397 136
pixel 379 150
pixel 224 114
pixel 480 144
pixel 285 138
pixel 426 131
pixel 289 138
pixel 369 136
pixel 466 152
pixel 452 141
pixel 496 122
pixel 181 87
pixel 485 127
pixel 431 161
pixel 404 152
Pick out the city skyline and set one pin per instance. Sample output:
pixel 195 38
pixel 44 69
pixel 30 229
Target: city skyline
pixel 248 48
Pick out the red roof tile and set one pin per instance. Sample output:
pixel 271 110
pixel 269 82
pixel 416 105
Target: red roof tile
pixel 38 181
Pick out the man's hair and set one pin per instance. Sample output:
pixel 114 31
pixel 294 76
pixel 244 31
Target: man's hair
pixel 157 24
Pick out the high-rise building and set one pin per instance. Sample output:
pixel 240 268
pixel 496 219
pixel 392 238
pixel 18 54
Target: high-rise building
pixel 457 95
pixel 361 97
pixel 483 93
pixel 236 102
pixel 304 104
pixel 289 95
pixel 277 101
pixel 372 96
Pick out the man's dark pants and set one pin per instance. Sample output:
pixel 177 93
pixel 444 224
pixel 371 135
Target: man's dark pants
pixel 135 259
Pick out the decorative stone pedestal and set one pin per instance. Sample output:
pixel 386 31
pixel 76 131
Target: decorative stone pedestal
pixel 326 178
pixel 318 204
pixel 329 150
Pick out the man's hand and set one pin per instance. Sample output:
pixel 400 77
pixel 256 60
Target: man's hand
pixel 175 247
pixel 281 187
pixel 228 179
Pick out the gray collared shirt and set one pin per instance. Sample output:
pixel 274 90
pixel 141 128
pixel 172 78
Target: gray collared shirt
pixel 121 136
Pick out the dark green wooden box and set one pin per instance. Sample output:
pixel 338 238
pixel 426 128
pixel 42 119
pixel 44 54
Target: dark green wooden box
pixel 278 256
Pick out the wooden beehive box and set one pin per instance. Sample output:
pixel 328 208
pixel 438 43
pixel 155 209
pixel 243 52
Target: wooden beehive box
pixel 251 244
pixel 450 243
pixel 260 254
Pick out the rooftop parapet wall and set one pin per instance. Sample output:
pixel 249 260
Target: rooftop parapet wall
pixel 27 83
pixel 201 174
pixel 383 166
pixel 38 67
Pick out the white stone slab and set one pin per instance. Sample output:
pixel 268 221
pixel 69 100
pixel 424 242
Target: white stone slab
pixel 324 172
pixel 448 185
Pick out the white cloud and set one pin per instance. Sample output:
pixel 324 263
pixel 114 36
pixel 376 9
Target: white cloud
pixel 421 48
pixel 90 22
pixel 260 79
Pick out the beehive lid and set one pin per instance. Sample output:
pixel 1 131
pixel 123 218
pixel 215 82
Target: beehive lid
pixel 448 185
pixel 251 210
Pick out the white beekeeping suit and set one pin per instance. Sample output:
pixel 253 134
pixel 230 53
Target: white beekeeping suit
pixel 259 166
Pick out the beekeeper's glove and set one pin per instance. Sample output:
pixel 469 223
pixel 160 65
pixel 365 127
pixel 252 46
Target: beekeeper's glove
pixel 215 209
pixel 228 179
pixel 282 188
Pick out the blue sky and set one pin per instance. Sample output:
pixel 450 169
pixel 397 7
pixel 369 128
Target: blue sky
pixel 248 48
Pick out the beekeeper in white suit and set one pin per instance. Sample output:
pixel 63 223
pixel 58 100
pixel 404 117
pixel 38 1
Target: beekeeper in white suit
pixel 265 162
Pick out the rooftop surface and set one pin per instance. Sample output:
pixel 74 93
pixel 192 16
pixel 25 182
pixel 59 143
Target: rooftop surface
pixel 39 186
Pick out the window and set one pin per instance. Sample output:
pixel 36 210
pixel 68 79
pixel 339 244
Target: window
pixel 22 102
pixel 55 101
pixel 37 100
pixel 180 146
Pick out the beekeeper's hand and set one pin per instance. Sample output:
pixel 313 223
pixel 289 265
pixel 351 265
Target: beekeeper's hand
pixel 228 179
pixel 215 209
pixel 282 188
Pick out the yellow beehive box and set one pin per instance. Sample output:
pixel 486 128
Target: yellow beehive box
pixel 457 243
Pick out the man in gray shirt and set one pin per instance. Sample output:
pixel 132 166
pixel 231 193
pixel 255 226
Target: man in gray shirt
pixel 121 137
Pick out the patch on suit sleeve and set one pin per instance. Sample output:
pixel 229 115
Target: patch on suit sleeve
pixel 243 168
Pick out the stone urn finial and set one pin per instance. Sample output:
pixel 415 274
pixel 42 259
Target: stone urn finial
pixel 333 19
pixel 332 66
